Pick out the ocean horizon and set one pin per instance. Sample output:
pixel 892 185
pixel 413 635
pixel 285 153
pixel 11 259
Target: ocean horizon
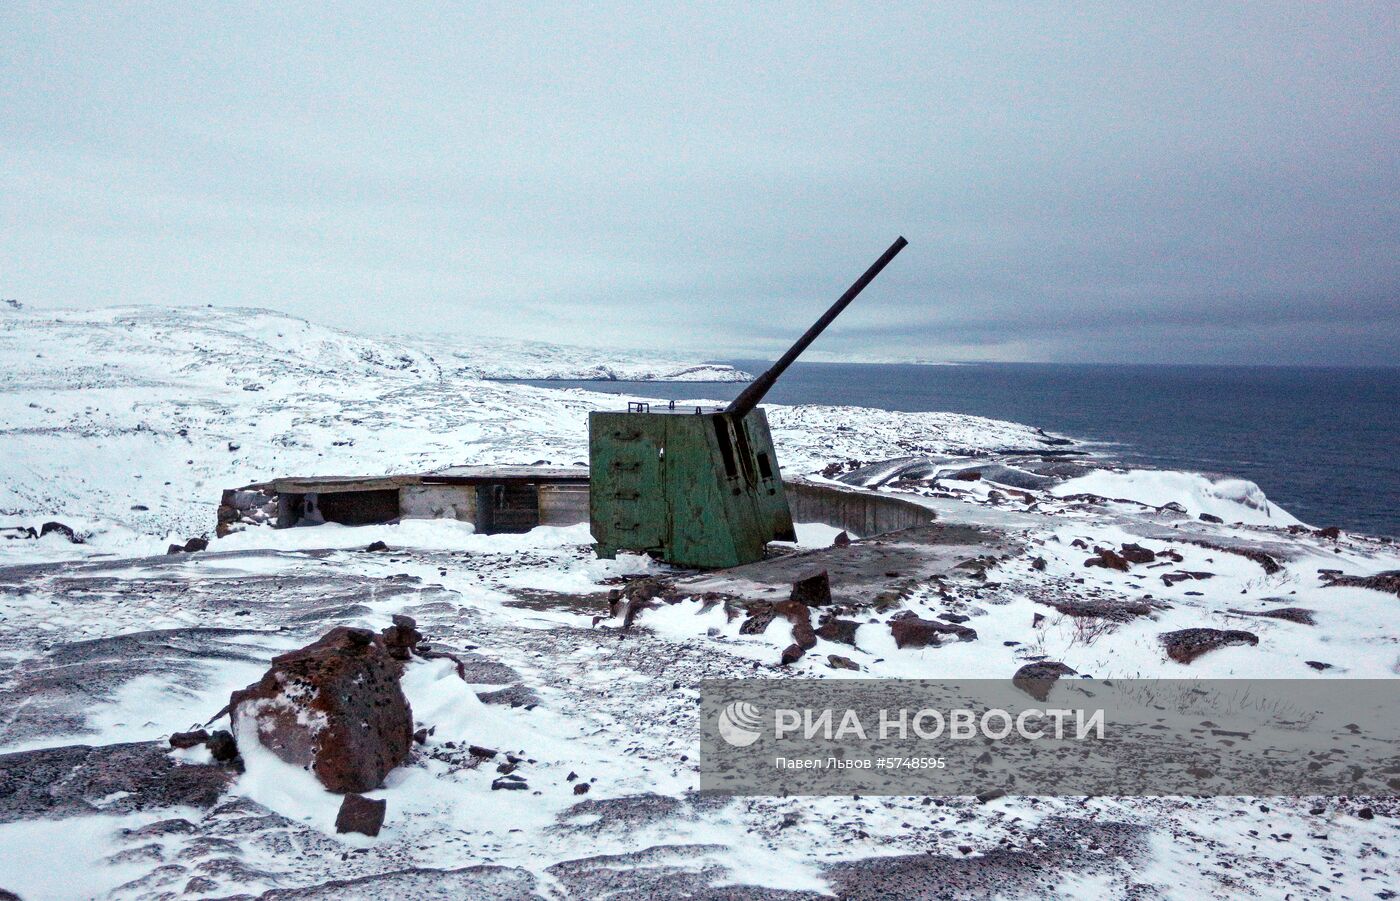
pixel 1320 441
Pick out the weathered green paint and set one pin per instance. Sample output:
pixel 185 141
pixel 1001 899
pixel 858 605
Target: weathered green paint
pixel 699 490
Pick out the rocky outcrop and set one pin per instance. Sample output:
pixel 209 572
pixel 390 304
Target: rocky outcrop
pixel 911 631
pixel 1388 581
pixel 334 707
pixel 1185 645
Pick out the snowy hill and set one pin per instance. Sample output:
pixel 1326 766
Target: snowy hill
pixel 128 422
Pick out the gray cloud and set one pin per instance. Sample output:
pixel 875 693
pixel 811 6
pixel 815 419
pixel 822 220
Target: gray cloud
pixel 1200 183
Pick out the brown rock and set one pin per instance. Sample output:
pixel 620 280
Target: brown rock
pixel 910 631
pixel 967 475
pixel 1136 553
pixel 1211 517
pixel 797 613
pixel 1108 560
pixel 841 631
pixel 814 591
pixel 1388 581
pixel 1185 645
pixel 334 707
pixel 61 530
pixel 1036 679
pixel 760 616
pixel 360 814
pixel 222 747
pixel 842 539
pixel 1331 532
pixel 196 544
pixel 582 788
pixel 836 661
pixel 791 654
pixel 1301 615
pixel 184 740
pixel 402 637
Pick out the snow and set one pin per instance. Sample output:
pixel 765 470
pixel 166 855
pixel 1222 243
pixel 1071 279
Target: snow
pixel 1231 499
pixel 104 411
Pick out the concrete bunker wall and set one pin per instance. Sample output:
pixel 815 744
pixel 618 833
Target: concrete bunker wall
pixel 862 513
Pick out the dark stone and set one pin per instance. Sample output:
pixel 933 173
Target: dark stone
pixel 421 736
pixel 1185 645
pixel 61 529
pixel 196 544
pixel 174 549
pixel 760 616
pixel 1170 579
pixel 479 751
pixel 360 814
pixel 376 546
pixel 184 740
pixel 1388 581
pixel 222 747
pixel 797 613
pixel 1211 517
pixel 814 591
pixel 1136 553
pixel 1300 615
pixel 836 661
pixel 1318 665
pixel 509 782
pixel 841 631
pixel 953 617
pixel 842 539
pixel 1038 564
pixel 402 637
pixel 1331 532
pixel 582 788
pixel 334 707
pixel 1366 813
pixel 910 631
pixel 1036 679
pixel 967 475
pixel 69 781
pixel 1108 560
pixel 986 796
pixel 791 654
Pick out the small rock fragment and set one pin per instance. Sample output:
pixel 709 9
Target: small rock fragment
pixel 360 814
pixel 184 740
pixel 222 746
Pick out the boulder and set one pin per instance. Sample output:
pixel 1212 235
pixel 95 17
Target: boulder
pixel 1331 533
pixel 814 591
pixel 836 661
pixel 184 740
pixel 60 529
pixel 222 747
pixel 910 631
pixel 1108 559
pixel 1136 553
pixel 797 613
pixel 402 637
pixel 196 544
pixel 791 654
pixel 842 539
pixel 841 631
pixel 360 814
pixel 1211 517
pixel 1185 645
pixel 1036 679
pixel 334 707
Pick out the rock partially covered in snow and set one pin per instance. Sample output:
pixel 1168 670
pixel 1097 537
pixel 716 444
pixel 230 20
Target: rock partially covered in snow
pixel 1185 645
pixel 334 707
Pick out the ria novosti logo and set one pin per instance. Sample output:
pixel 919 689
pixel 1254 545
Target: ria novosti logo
pixel 740 724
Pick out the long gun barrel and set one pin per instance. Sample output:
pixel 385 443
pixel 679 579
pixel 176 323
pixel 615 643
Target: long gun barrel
pixel 753 394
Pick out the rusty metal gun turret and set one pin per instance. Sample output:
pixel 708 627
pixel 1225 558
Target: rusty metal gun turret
pixel 699 489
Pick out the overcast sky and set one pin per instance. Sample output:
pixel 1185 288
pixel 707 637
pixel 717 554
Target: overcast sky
pixel 1117 183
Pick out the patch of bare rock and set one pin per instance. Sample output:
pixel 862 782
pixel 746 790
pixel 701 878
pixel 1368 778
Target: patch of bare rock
pixel 1185 645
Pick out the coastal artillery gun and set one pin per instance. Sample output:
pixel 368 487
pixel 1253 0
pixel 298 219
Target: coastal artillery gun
pixel 694 487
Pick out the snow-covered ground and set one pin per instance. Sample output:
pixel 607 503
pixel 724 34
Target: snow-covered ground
pixel 126 425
